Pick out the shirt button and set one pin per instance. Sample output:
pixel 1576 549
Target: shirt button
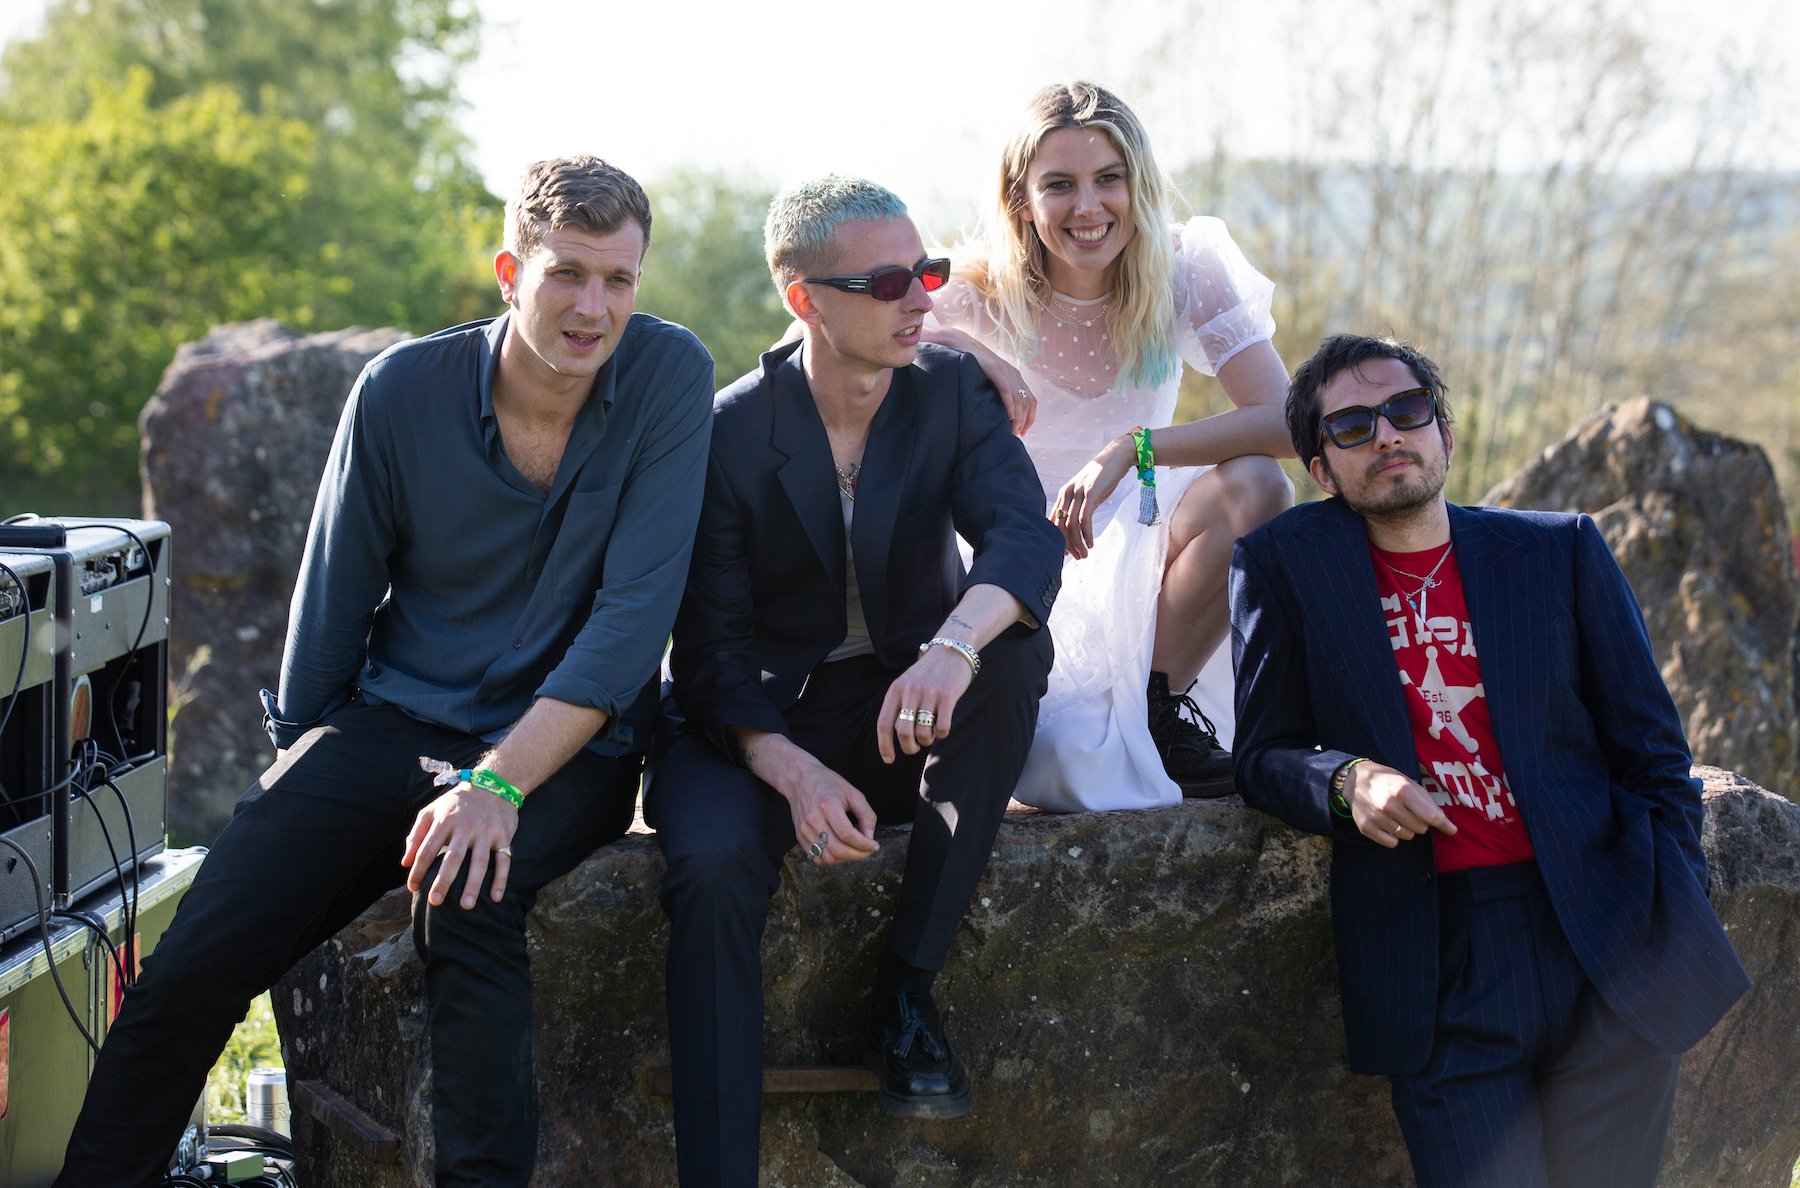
pixel 518 643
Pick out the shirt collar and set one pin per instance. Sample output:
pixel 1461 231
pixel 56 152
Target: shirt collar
pixel 605 383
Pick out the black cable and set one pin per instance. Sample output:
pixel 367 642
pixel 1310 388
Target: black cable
pixel 137 879
pixel 53 789
pixel 43 921
pixel 267 1152
pixel 12 698
pixel 261 1136
pixel 125 904
pixel 98 928
pixel 112 694
pixel 129 895
pixel 128 898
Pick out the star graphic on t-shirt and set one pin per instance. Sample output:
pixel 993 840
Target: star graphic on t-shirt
pixel 1445 701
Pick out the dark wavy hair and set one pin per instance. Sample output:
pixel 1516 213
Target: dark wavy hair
pixel 1305 396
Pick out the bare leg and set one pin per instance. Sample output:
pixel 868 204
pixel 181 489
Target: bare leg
pixel 1221 505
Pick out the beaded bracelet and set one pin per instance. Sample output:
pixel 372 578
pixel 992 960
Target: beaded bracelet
pixel 487 781
pixel 1146 472
pixel 1339 805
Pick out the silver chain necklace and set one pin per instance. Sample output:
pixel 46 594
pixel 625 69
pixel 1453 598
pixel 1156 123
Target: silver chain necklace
pixel 1420 599
pixel 1064 310
pixel 846 479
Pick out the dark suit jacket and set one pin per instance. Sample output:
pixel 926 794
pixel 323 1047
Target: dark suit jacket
pixel 1593 749
pixel 765 595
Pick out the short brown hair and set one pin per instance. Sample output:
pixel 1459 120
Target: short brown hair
pixel 582 192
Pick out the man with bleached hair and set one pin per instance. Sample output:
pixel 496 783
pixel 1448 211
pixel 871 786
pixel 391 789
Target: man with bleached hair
pixel 836 667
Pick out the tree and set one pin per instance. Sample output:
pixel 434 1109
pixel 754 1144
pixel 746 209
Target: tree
pixel 371 214
pixel 705 268
pixel 1565 204
pixel 115 253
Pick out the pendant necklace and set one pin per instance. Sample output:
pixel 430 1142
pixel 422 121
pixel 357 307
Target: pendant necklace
pixel 1420 599
pixel 846 479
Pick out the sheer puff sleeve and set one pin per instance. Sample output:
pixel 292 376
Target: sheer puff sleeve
pixel 959 306
pixel 1221 300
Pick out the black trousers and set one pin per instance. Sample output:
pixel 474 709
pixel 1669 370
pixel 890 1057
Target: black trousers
pixel 313 843
pixel 725 833
pixel 1533 1081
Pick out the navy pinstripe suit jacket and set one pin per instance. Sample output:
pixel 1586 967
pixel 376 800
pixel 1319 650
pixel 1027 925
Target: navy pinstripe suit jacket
pixel 1593 748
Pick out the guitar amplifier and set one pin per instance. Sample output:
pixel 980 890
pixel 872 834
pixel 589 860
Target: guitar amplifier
pixel 84 629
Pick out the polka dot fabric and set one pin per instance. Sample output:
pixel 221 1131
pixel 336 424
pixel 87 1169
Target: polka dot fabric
pixel 1093 747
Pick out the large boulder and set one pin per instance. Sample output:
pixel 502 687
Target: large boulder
pixel 233 444
pixel 1698 525
pixel 1142 998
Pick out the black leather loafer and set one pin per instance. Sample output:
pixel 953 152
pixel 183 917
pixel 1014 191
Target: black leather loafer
pixel 921 1076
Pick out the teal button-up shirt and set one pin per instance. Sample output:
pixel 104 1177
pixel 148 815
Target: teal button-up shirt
pixel 440 580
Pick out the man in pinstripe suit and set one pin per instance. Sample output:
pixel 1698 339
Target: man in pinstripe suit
pixel 1465 700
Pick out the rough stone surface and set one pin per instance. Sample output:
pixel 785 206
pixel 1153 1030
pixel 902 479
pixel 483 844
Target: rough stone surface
pixel 233 444
pixel 1142 998
pixel 1698 525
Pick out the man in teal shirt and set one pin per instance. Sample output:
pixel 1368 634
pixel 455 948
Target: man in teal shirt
pixel 496 554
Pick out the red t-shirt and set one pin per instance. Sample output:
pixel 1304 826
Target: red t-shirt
pixel 1440 675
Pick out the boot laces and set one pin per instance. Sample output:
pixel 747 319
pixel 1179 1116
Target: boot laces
pixel 1192 727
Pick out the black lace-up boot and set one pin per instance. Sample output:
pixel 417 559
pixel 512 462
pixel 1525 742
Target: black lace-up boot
pixel 1188 742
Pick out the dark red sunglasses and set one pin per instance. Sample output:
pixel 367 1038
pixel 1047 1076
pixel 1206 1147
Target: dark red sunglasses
pixel 890 284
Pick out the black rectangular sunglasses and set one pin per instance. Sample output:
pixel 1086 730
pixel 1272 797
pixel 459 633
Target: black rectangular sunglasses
pixel 1350 427
pixel 890 284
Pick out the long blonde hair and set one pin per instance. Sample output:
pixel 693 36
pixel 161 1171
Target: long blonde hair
pixel 1012 274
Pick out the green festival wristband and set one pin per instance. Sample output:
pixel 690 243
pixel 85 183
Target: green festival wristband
pixel 487 781
pixel 1148 513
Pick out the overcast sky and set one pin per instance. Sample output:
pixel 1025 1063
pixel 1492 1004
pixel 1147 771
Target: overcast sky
pixel 918 95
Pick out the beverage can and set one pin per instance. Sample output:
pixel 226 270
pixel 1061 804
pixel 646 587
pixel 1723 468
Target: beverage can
pixel 266 1100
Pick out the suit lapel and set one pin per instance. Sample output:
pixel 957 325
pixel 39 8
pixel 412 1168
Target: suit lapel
pixel 887 461
pixel 807 475
pixel 1502 586
pixel 1343 602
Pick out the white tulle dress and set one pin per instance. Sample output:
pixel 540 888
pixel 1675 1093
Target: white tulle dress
pixel 1093 748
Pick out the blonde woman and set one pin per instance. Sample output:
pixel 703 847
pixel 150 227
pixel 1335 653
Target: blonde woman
pixel 1081 306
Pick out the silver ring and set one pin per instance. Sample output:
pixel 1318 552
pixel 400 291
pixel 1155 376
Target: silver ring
pixel 813 851
pixel 927 718
pixel 1022 393
pixel 1398 830
pixel 507 850
pixel 907 715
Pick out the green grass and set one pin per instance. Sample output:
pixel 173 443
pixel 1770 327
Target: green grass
pixel 253 1045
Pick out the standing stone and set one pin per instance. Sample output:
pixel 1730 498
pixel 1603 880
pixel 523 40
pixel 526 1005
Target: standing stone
pixel 1142 998
pixel 1698 525
pixel 233 444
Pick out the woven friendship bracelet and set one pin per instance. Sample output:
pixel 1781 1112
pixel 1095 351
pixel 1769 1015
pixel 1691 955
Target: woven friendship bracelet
pixel 487 781
pixel 1339 805
pixel 1148 512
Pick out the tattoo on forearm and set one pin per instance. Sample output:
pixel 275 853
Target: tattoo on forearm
pixel 969 627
